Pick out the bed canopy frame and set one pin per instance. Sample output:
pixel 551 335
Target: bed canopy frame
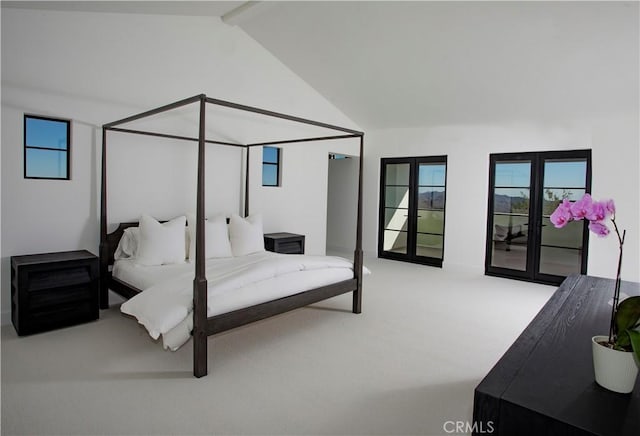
pixel 203 326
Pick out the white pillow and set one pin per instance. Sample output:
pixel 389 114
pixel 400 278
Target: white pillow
pixel 216 238
pixel 246 234
pixel 128 244
pixel 161 244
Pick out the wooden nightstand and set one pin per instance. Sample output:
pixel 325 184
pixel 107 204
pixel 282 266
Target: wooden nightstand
pixel 287 243
pixel 53 290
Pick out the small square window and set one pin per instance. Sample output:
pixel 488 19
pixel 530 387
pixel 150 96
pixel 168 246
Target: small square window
pixel 47 148
pixel 270 166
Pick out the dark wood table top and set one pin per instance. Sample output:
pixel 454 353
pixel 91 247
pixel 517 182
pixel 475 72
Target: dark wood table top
pixel 544 384
pixel 282 235
pixel 61 256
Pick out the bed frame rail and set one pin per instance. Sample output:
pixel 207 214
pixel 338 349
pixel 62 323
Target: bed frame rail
pixel 237 318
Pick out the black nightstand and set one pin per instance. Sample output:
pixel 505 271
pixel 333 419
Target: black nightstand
pixel 53 290
pixel 287 243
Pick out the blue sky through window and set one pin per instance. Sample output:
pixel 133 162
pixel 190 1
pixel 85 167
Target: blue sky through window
pixel 565 174
pixel 513 174
pixel 46 133
pixel 46 148
pixel 432 174
pixel 270 166
pixel 269 175
pixel 270 154
pixel 46 163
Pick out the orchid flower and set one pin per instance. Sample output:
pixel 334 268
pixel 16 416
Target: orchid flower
pixel 582 207
pixel 598 228
pixel 562 215
pixel 596 213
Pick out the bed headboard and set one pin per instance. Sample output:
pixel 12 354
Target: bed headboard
pixel 114 237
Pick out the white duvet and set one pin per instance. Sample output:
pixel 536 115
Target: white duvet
pixel 233 283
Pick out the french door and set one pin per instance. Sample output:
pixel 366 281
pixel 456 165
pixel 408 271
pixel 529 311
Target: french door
pixel 524 189
pixel 412 209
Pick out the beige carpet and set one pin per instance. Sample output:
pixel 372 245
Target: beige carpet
pixel 405 366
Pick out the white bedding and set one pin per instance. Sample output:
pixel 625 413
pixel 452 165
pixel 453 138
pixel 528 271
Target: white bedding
pixel 143 277
pixel 165 305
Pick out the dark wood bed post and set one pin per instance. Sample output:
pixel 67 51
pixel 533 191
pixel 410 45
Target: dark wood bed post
pixel 104 251
pixel 200 281
pixel 357 256
pixel 246 184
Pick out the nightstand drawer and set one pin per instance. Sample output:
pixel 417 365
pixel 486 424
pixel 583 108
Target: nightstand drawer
pixel 58 278
pixel 53 317
pixel 52 297
pixel 290 247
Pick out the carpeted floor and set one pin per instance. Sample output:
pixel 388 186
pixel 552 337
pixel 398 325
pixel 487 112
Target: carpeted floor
pixel 405 366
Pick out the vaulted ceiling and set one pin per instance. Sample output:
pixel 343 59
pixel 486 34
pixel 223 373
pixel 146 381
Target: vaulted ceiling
pixel 404 64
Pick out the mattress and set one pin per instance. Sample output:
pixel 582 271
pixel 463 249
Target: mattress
pixel 164 307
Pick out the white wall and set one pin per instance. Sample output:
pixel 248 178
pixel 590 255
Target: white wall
pixel 94 68
pixel 615 157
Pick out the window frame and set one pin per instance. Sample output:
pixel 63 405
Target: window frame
pixel 277 164
pixel 26 147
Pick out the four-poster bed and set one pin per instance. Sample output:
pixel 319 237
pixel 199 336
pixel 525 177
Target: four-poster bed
pixel 204 325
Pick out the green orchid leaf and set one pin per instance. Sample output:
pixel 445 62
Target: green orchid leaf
pixel 623 341
pixel 634 335
pixel 628 314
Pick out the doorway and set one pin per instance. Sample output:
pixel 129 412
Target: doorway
pixel 342 198
pixel 524 189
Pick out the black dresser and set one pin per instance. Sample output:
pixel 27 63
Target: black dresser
pixel 544 384
pixel 53 290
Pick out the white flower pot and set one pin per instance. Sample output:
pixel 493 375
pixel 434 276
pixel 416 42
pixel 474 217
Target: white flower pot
pixel 614 370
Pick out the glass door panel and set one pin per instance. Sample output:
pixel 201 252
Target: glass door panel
pixel 397 174
pixel 432 174
pixel 429 246
pixel 396 207
pixel 561 249
pixel 431 221
pixel 511 201
pixel 430 210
